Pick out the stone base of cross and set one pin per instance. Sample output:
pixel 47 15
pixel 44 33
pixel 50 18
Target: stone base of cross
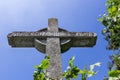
pixel 52 41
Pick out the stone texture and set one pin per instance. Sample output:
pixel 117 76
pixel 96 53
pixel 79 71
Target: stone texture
pixel 26 39
pixel 53 50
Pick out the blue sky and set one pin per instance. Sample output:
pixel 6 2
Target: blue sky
pixel 32 15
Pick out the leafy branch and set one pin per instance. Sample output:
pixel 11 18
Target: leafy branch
pixel 111 22
pixel 72 71
pixel 40 72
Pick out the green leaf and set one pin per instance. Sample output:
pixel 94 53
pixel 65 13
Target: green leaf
pixel 45 64
pixel 81 72
pixel 100 19
pixel 104 31
pixel 91 73
pixel 111 21
pixel 114 73
pixel 41 76
pixel 37 66
pixel 71 62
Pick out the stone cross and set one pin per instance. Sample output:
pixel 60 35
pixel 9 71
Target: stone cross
pixel 52 41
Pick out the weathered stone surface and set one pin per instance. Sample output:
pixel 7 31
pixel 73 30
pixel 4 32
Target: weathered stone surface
pixel 26 39
pixel 53 50
pixel 53 41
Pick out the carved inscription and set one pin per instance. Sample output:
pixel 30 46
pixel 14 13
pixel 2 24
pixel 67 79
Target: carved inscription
pixel 55 34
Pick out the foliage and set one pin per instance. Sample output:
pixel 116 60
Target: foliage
pixel 71 73
pixel 115 62
pixel 111 21
pixel 114 67
pixel 40 72
pixel 114 73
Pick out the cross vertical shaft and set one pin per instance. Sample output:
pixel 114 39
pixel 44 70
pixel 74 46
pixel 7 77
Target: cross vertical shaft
pixel 54 51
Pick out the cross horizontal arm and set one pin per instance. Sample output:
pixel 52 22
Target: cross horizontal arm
pixel 52 34
pixel 26 39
